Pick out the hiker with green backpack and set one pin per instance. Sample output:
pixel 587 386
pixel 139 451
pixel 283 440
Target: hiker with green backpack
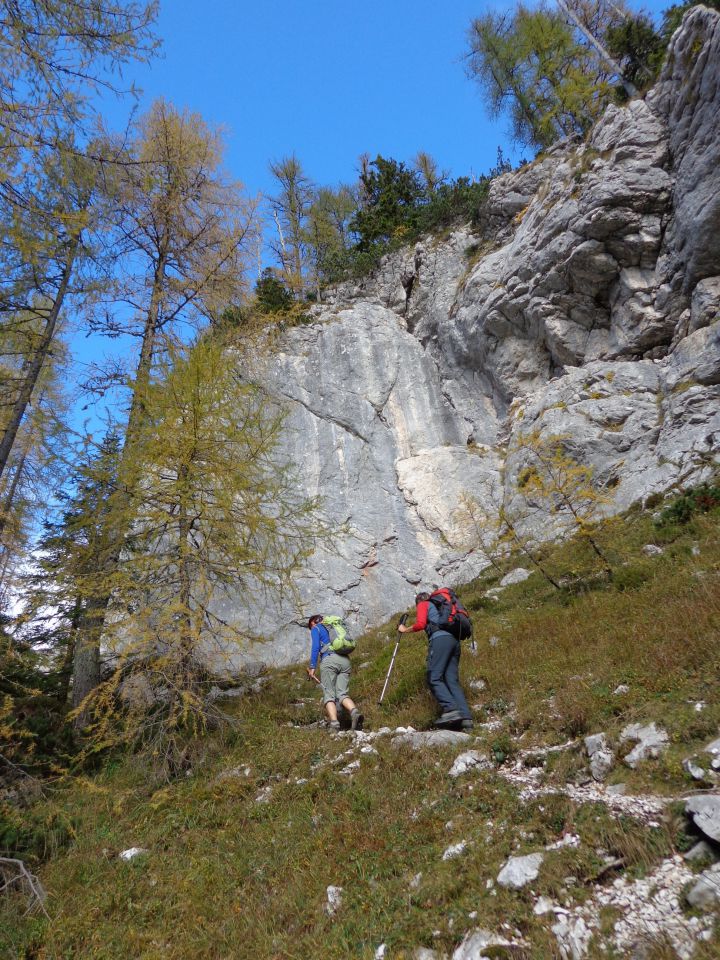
pixel 333 655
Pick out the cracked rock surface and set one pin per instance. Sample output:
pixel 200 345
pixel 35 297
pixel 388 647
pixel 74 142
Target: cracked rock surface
pixel 585 304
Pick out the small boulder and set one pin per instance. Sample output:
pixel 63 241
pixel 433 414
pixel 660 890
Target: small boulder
pixel 573 936
pixel 713 748
pixel 515 576
pixel 455 850
pixel 334 900
pixel 132 852
pixel 691 766
pixel 705 811
pixel 652 550
pixel 431 739
pixel 470 760
pixel 621 689
pixel 475 944
pixel 705 892
pixel 701 851
pixel 602 759
pixel 519 871
pixel 617 789
pixel 652 740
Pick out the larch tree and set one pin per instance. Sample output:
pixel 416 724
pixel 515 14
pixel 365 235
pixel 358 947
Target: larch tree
pixel 54 59
pixel 428 168
pixel 545 66
pixel 326 233
pixel 46 246
pixel 183 238
pixel 217 511
pixel 554 480
pixel 290 208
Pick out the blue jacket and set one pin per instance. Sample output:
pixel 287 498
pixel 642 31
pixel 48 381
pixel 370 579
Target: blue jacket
pixel 320 638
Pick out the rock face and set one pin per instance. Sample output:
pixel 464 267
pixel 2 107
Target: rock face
pixel 585 304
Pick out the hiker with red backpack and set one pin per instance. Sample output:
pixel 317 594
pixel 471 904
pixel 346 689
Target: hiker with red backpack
pixel 333 655
pixel 447 624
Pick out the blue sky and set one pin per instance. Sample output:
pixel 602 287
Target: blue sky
pixel 327 80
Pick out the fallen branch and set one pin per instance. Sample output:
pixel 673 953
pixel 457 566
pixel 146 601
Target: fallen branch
pixel 15 872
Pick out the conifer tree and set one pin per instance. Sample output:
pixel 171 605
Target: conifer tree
pixel 213 511
pixel 290 209
pixel 547 67
pixel 557 482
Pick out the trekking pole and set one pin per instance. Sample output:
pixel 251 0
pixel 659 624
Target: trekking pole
pixel 392 661
pixel 311 676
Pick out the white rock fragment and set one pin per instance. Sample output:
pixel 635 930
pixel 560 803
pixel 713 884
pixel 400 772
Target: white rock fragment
pixel 621 689
pixel 350 768
pixel 652 740
pixel 515 576
pixel 470 760
pixel 602 759
pixel 264 795
pixel 132 852
pixel 691 766
pixel 380 952
pixel 476 942
pixel 455 850
pixel 652 550
pixel 573 937
pixel 415 882
pixel 334 900
pixel 568 840
pixel 543 905
pixel 519 871
pixel 424 953
pixel 477 685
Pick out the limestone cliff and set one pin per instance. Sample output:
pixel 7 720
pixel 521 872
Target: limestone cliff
pixel 586 303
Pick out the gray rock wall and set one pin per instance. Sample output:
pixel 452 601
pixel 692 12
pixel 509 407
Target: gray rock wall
pixel 587 304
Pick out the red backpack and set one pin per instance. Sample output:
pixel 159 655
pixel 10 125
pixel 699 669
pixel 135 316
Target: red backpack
pixel 452 615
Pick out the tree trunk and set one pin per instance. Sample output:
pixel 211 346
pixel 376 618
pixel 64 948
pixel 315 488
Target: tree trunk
pixel 66 671
pixel 86 657
pixel 10 498
pixel 86 664
pixel 630 88
pixel 38 359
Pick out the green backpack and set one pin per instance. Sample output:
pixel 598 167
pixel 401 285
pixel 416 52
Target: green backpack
pixel 340 642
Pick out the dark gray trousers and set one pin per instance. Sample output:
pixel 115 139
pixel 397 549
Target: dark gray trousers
pixel 443 673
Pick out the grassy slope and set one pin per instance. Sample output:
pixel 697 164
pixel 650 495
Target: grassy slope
pixel 226 876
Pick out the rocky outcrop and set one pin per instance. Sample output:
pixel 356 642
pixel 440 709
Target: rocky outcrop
pixel 585 304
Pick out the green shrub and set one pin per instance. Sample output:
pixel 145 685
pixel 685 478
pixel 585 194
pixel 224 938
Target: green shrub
pixel 700 500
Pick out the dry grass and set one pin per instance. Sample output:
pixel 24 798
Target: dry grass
pixel 226 876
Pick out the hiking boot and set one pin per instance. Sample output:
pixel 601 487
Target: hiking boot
pixel 450 718
pixel 467 724
pixel 356 720
pixel 333 726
